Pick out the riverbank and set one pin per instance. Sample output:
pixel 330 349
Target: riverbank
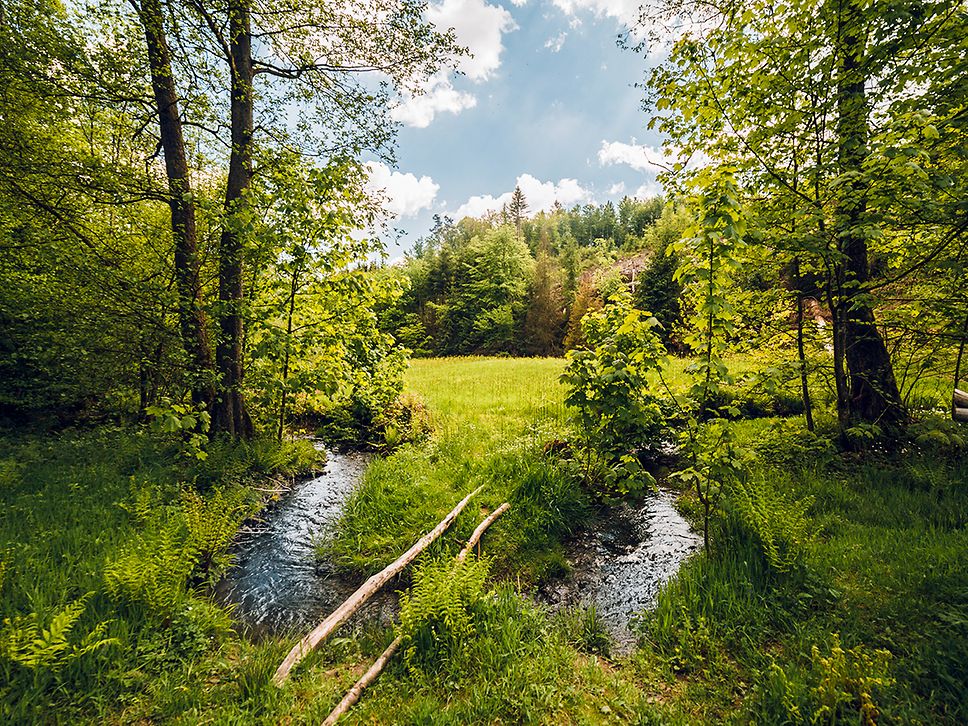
pixel 731 639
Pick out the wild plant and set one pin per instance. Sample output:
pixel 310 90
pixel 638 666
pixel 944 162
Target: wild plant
pixel 24 640
pixel 618 409
pixel 436 616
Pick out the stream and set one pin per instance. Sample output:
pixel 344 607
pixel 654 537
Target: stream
pixel 279 587
pixel 620 562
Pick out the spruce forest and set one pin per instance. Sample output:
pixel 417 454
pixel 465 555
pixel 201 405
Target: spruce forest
pixel 288 437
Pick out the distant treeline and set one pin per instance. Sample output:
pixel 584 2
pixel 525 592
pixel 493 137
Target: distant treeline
pixel 509 283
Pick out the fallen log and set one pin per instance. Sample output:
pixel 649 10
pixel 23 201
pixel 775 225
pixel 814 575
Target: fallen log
pixel 353 695
pixel 476 535
pixel 369 588
pixel 960 414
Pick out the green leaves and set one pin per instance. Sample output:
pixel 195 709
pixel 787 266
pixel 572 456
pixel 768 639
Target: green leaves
pixel 611 385
pixel 23 640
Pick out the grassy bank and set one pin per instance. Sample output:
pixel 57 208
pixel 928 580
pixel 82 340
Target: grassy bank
pixel 865 612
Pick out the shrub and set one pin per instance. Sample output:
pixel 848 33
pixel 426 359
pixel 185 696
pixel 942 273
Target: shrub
pixel 619 414
pixel 177 544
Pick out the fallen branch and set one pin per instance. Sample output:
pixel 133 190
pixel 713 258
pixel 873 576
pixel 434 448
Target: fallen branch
pixel 353 695
pixel 476 536
pixel 373 584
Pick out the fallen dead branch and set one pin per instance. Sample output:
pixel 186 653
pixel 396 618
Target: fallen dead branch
pixel 353 695
pixel 369 588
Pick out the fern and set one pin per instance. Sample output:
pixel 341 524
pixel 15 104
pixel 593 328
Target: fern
pixel 436 615
pixel 178 544
pixel 24 641
pixel 778 522
pixel 153 569
pixel 211 523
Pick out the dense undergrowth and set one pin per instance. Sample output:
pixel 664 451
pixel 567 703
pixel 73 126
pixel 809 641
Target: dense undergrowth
pixel 835 588
pixel 107 541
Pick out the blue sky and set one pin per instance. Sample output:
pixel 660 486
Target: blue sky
pixel 548 101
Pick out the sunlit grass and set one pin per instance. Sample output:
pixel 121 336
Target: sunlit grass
pixel 488 400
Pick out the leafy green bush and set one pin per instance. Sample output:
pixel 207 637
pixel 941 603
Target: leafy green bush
pixel 619 413
pixel 934 434
pixel 178 543
pixel 789 444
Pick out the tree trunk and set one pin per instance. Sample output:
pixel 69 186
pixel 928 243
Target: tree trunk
pixel 873 391
pixel 193 323
pixel 801 353
pixel 231 415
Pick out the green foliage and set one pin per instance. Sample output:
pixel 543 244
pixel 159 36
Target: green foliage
pixel 619 413
pixel 189 422
pixel 837 687
pixel 777 521
pixel 939 435
pixel 710 253
pixel 716 462
pixel 28 643
pixel 177 545
pixel 787 443
pixel 437 614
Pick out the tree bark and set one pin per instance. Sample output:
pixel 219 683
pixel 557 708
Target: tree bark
pixel 193 322
pixel 873 392
pixel 230 414
pixel 801 353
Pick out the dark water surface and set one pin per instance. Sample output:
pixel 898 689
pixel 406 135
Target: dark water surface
pixel 621 561
pixel 277 584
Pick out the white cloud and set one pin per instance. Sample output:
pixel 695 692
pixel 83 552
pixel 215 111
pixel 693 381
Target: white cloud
pixel 440 96
pixel 541 196
pixel 616 189
pixel 554 44
pixel 649 189
pixel 643 157
pixel 478 26
pixel 661 32
pixel 405 195
pixel 625 11
pixel 640 157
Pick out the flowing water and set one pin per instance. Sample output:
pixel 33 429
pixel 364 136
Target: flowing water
pixel 278 585
pixel 621 561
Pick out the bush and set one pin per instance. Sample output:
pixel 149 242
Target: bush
pixel 619 415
